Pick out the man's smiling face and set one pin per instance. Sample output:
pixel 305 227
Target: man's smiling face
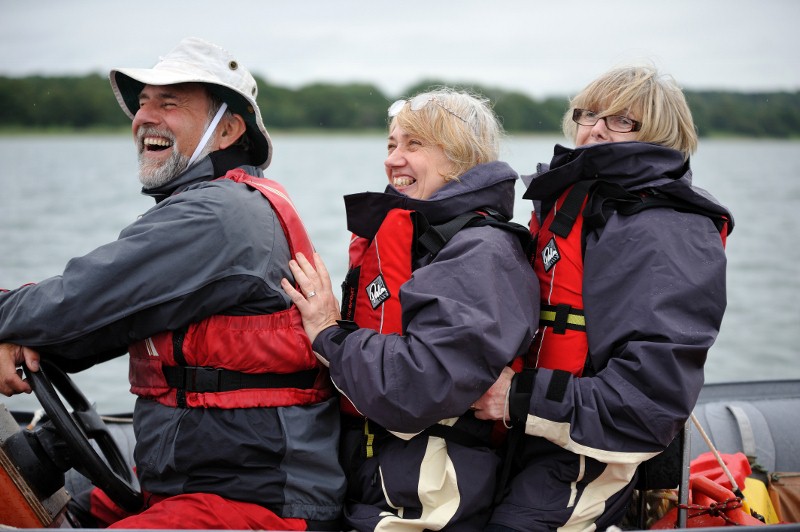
pixel 167 127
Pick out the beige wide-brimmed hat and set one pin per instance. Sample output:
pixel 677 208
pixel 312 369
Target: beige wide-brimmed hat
pixel 197 61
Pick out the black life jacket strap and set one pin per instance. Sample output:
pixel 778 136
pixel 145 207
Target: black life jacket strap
pixel 208 380
pixel 519 400
pixel 456 435
pixel 649 202
pixel 607 198
pixel 432 238
pixel 178 336
pixel 562 317
pixel 570 209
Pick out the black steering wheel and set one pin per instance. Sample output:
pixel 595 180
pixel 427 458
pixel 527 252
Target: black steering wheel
pixel 115 478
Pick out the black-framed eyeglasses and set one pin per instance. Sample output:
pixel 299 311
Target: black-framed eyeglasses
pixel 418 102
pixel 616 123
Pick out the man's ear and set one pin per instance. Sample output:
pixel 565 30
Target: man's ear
pixel 230 130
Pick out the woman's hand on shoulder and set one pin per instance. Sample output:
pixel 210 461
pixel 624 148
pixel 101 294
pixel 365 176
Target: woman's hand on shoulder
pixel 314 299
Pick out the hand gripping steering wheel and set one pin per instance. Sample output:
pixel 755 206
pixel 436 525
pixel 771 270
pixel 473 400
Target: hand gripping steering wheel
pixel 84 424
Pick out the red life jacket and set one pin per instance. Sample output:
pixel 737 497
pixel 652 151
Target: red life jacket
pixel 562 343
pixel 236 361
pixel 380 266
pixel 377 269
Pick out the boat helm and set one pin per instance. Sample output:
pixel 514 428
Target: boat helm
pixel 197 61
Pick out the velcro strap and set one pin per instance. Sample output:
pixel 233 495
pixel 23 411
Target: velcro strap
pixel 204 379
pixel 346 327
pixel 562 317
pixel 558 385
pixel 519 398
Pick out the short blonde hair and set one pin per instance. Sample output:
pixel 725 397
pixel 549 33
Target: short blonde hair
pixel 462 124
pixel 656 100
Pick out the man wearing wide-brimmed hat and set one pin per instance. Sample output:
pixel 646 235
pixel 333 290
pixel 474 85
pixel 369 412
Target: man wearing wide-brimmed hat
pixel 236 424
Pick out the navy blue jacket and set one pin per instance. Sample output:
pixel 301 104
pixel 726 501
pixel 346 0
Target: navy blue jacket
pixel 654 294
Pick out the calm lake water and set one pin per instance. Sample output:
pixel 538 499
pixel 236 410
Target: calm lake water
pixel 62 196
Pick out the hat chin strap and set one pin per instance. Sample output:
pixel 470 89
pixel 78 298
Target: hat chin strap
pixel 207 135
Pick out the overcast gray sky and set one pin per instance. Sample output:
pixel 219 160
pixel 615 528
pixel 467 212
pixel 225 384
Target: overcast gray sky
pixel 540 48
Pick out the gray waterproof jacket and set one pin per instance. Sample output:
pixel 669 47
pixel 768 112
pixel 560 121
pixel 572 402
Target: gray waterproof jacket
pixel 207 247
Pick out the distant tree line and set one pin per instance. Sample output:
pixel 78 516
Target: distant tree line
pixel 77 103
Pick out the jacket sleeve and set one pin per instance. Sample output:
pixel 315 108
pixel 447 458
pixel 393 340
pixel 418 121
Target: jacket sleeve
pixel 465 315
pixel 194 254
pixel 654 296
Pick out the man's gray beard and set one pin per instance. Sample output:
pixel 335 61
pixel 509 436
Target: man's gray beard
pixel 154 175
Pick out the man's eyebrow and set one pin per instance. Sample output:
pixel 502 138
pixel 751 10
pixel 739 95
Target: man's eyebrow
pixel 164 94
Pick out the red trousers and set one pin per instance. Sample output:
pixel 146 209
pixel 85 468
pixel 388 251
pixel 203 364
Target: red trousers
pixel 190 511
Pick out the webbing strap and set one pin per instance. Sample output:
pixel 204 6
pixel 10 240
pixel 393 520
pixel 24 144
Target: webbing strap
pixel 745 430
pixel 207 380
pixel 519 401
pixel 562 317
pixel 456 435
pixel 755 434
pixel 369 440
pixel 449 433
pixel 565 218
pixel 177 354
pixel 433 238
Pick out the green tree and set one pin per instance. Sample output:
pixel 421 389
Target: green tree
pixel 79 102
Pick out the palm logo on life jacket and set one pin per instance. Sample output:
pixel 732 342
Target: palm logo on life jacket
pixel 550 254
pixel 377 291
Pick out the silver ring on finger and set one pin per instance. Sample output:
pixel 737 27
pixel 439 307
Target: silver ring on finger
pixel 311 294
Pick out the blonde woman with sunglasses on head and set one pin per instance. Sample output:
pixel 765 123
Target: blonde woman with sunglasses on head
pixel 439 299
pixel 631 263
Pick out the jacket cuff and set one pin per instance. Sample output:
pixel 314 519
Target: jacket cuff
pixel 519 397
pixel 335 333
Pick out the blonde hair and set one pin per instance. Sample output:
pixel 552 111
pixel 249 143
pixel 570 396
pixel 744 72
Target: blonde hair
pixel 462 124
pixel 656 100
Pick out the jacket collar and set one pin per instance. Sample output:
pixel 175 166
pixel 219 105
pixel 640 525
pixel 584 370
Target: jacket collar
pixel 489 185
pixel 214 165
pixel 634 165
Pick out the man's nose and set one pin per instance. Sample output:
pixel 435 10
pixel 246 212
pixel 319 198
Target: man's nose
pixel 145 115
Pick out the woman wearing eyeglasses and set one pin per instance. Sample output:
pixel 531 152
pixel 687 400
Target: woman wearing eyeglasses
pixel 631 264
pixel 438 304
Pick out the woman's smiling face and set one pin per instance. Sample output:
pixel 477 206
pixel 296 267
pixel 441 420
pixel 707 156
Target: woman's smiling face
pixel 413 167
